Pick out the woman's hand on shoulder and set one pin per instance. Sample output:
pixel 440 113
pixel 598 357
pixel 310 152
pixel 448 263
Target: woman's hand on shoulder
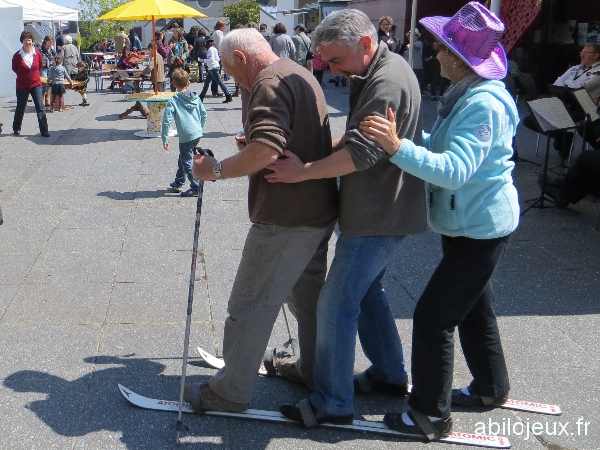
pixel 383 131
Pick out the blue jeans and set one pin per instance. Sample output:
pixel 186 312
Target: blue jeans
pixel 353 299
pixel 38 101
pixel 184 165
pixel 213 75
pixel 44 73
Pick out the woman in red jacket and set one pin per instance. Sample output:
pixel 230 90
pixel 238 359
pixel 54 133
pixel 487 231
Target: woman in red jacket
pixel 26 63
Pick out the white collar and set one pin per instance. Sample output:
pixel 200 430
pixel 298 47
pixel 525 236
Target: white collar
pixel 22 52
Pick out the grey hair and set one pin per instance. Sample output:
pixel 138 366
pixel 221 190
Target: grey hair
pixel 68 39
pixel 595 47
pixel 345 27
pixel 249 40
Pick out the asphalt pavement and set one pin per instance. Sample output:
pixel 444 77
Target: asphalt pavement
pixel 94 267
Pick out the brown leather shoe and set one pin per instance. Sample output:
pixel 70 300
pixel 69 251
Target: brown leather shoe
pixel 288 368
pixel 202 398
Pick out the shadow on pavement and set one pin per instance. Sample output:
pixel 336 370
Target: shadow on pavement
pixel 93 403
pixel 114 195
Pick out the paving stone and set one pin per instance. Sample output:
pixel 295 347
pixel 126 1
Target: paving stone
pixel 7 292
pixel 94 218
pixel 47 352
pixel 15 267
pixel 63 304
pixel 19 241
pixel 84 240
pixel 161 302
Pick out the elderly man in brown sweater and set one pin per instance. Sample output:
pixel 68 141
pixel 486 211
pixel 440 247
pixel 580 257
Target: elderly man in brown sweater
pixel 379 205
pixel 286 247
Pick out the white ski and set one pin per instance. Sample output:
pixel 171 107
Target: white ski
pixel 274 416
pixel 218 363
pixel 518 405
pixel 532 407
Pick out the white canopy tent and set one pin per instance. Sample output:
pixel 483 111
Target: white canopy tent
pixel 14 13
pixel 12 19
pixel 42 11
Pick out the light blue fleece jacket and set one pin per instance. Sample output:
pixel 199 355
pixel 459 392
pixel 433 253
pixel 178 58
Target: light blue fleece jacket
pixel 190 117
pixel 465 162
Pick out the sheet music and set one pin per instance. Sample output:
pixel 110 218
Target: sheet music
pixel 586 103
pixel 551 114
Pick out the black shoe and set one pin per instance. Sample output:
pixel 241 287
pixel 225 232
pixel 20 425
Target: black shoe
pixel 367 385
pixel 337 83
pixel 228 99
pixel 556 194
pixel 442 427
pixel 17 132
pixel 46 134
pixel 473 399
pixel 84 103
pixel 293 412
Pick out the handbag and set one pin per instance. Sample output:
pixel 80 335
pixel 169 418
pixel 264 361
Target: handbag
pixel 309 54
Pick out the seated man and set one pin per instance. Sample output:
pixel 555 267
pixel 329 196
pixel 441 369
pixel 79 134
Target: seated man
pixel 582 179
pixel 577 76
pixel 585 75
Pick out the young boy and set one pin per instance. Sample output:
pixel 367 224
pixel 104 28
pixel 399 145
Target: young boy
pixel 83 75
pixel 149 70
pixel 57 75
pixel 190 117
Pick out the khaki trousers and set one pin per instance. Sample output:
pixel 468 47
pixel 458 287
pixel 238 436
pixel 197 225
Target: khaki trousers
pixel 275 261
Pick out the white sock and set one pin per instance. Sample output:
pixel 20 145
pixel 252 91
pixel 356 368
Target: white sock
pixel 406 419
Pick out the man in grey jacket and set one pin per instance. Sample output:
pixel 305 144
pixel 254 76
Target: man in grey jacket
pixel 379 205
pixel 302 43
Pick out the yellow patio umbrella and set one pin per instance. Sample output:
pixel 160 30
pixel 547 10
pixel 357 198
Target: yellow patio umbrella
pixel 151 10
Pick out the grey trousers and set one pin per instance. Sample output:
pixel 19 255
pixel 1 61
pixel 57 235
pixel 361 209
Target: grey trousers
pixel 277 264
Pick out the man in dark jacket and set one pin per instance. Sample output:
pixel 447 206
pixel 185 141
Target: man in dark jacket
pixel 200 52
pixel 192 35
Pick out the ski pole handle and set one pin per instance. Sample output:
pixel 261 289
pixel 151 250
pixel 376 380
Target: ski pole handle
pixel 203 152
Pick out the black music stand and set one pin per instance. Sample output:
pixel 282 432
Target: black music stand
pixel 583 98
pixel 520 85
pixel 549 115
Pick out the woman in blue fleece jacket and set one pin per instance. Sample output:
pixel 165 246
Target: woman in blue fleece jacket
pixel 474 205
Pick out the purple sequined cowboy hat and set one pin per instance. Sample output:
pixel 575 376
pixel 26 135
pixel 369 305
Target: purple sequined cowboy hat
pixel 474 34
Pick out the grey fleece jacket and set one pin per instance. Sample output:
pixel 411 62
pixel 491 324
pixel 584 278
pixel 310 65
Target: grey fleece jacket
pixel 379 198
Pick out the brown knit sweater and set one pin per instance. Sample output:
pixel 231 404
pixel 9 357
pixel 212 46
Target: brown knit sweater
pixel 287 110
